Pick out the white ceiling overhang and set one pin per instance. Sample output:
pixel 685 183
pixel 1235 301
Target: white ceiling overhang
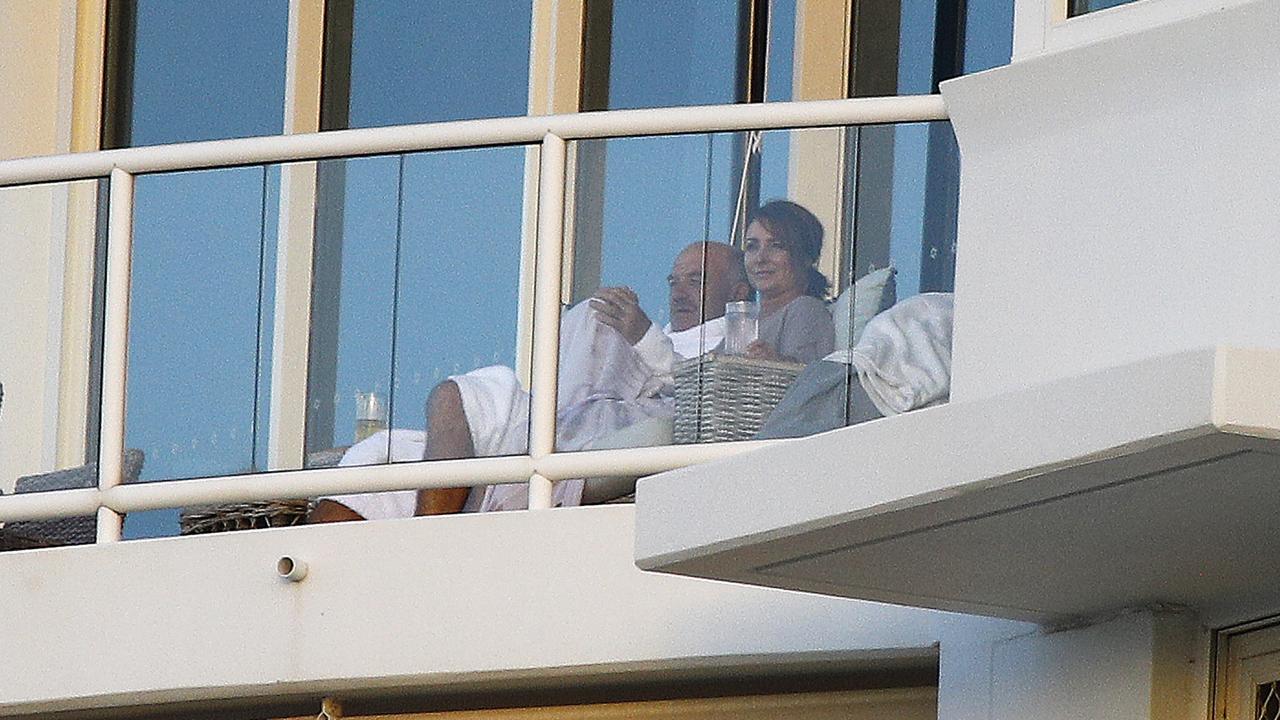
pixel 1151 483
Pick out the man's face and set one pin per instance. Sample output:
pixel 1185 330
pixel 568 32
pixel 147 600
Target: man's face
pixel 699 291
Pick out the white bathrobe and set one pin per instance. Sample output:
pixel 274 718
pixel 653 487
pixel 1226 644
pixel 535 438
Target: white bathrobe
pixel 605 385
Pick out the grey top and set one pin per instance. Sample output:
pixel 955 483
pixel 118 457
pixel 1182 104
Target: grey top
pixel 802 330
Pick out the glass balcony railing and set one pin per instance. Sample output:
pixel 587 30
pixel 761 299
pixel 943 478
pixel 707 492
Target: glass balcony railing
pixel 49 369
pixel 404 316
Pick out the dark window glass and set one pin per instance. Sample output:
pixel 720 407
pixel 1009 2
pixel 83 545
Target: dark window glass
pixel 903 179
pixel 988 34
pixel 1080 7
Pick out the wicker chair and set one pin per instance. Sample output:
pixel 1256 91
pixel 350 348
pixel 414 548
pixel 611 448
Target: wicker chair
pixel 228 517
pixel 67 531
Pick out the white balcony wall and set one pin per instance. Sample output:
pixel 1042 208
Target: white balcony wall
pixel 421 603
pixel 1042 26
pixel 1118 203
pixel 1134 665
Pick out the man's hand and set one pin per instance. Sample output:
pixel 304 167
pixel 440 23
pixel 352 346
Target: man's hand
pixel 619 308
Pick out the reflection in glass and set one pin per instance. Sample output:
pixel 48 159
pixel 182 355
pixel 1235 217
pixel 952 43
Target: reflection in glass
pixel 665 54
pixel 779 66
pixel 200 71
pixel 459 270
pixel 416 61
pixel 988 34
pixel 47 365
pixel 200 326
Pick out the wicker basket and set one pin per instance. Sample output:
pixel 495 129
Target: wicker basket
pixel 243 516
pixel 721 398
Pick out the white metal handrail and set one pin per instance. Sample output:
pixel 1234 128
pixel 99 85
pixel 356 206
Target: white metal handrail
pixel 542 465
pixel 471 134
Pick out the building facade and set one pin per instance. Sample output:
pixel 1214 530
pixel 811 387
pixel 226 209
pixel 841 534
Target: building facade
pixel 220 224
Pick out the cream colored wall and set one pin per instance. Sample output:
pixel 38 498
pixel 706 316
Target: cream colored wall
pixel 1138 665
pixel 816 173
pixel 79 117
pixel 38 71
pixel 30 69
pixel 291 341
pixel 26 338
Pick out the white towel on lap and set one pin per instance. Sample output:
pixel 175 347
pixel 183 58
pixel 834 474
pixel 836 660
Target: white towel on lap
pixel 378 449
pixel 903 358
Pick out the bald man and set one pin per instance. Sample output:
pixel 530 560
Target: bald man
pixel 615 372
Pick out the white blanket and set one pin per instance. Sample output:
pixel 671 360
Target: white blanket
pixel 903 358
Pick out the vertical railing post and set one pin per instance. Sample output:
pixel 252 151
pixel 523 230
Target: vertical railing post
pixel 115 347
pixel 546 312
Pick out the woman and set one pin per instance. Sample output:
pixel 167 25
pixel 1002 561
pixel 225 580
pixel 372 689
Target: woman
pixel 782 245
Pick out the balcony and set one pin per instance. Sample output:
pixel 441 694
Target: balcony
pixel 597 615
pixel 234 361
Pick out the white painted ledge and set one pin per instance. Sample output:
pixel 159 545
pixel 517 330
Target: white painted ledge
pixel 1147 483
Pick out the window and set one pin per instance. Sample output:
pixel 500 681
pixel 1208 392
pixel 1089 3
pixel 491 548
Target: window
pixel 1080 7
pixel 183 71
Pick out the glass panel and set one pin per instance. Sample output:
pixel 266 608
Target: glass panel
pixel 901 200
pixel 418 61
pixel 652 274
pixel 1080 7
pixel 360 306
pixel 430 291
pixel 675 53
pixel 778 86
pixel 893 189
pixel 429 262
pixel 204 71
pixel 48 440
pixel 202 303
pixel 459 271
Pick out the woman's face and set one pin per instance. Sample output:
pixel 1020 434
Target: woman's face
pixel 769 265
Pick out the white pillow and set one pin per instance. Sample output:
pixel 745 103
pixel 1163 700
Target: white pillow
pixel 872 293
